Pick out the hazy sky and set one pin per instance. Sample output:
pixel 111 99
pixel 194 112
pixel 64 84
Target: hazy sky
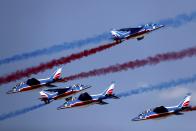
pixel 34 24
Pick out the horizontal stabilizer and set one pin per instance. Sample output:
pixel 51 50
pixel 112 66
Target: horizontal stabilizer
pixel 50 85
pixel 114 96
pixel 178 113
pixel 103 103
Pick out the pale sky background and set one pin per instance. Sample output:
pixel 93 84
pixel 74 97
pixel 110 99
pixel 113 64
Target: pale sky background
pixel 29 25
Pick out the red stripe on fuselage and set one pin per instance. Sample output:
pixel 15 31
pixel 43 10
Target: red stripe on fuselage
pixel 159 115
pixel 30 88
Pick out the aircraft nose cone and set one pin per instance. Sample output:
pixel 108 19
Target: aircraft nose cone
pixel 60 107
pixel 136 119
pixel 159 26
pixel 10 92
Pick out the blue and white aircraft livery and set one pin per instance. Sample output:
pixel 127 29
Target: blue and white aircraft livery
pixel 162 112
pixel 54 94
pixel 85 99
pixel 134 33
pixel 34 83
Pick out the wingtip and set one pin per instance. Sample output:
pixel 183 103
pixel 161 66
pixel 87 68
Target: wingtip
pixel 135 119
pixel 10 92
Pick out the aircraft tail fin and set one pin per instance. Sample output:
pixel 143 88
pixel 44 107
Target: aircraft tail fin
pixel 57 74
pixel 109 91
pixel 186 101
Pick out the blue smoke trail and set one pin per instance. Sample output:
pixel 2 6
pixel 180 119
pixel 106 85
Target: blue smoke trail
pixel 170 22
pixel 161 86
pixel 179 20
pixel 20 112
pixel 57 48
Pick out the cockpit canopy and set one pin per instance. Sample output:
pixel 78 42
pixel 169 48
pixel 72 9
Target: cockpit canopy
pixel 66 103
pixel 144 114
pixel 146 111
pixel 19 84
pixel 78 85
pixel 14 89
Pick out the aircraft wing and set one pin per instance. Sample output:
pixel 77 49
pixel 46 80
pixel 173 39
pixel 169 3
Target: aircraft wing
pixel 132 30
pixel 59 90
pixel 61 80
pixel 160 109
pixel 32 81
pixel 178 113
pixel 84 97
pixel 50 85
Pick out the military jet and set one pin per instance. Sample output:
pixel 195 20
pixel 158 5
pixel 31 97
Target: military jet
pixel 34 83
pixel 163 112
pixel 134 33
pixel 85 99
pixel 55 94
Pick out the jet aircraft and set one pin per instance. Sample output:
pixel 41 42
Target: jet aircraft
pixel 54 94
pixel 163 112
pixel 134 33
pixel 85 99
pixel 34 83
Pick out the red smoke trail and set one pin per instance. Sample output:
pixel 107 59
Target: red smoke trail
pixel 56 62
pixel 192 108
pixel 152 60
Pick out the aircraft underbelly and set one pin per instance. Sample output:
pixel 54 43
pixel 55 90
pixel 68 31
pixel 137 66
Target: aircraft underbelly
pixel 137 35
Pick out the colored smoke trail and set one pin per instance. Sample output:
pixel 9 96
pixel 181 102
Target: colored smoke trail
pixel 56 62
pixel 57 48
pixel 20 112
pixel 193 108
pixel 161 86
pixel 179 20
pixel 172 22
pixel 152 60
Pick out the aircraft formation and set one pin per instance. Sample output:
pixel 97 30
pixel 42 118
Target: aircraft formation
pixel 84 98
